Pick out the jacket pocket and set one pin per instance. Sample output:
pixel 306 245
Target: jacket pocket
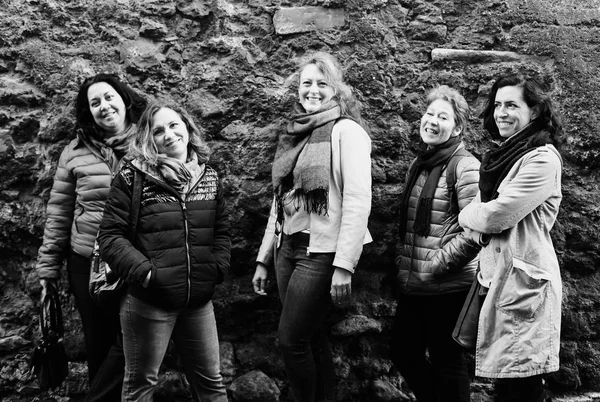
pixel 522 296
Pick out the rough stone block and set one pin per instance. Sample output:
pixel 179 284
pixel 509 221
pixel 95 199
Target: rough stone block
pixel 255 386
pixel 356 325
pixel 305 19
pixel 481 56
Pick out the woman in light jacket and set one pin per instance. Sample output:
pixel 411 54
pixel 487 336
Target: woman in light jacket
pixel 181 250
pixel 436 262
pixel 106 111
pixel 318 221
pixel 520 193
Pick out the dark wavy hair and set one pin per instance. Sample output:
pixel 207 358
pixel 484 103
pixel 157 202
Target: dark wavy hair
pixel 533 95
pixel 143 146
pixel 134 103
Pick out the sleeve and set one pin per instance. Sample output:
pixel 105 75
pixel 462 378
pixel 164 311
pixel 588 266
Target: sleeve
pixel 222 237
pixel 60 212
pixel 355 160
pixel 266 250
pixel 460 250
pixel 113 238
pixel 533 183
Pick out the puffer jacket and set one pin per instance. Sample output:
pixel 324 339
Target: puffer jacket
pixel 445 261
pixel 519 324
pixel 76 203
pixel 184 242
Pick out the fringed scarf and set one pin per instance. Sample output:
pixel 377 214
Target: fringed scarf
pixel 496 163
pixel 432 160
pixel 172 171
pixel 303 157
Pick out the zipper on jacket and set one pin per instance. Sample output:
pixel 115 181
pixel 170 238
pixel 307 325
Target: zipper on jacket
pixel 187 253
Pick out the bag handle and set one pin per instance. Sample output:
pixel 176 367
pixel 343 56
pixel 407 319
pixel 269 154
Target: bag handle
pixel 136 198
pixel 51 321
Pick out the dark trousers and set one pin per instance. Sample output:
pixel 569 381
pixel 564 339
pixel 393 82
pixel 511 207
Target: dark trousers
pixel 304 281
pixel 528 389
pixel 424 324
pixel 100 324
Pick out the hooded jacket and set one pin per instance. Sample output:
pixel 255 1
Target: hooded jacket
pixel 74 211
pixel 445 261
pixel 183 241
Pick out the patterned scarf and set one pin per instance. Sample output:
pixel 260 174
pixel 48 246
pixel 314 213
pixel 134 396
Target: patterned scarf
pixel 172 171
pixel 496 163
pixel 432 160
pixel 303 157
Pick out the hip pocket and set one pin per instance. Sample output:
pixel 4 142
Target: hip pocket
pixel 522 296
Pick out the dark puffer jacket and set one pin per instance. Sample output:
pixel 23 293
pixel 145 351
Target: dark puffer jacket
pixel 445 261
pixel 184 243
pixel 76 203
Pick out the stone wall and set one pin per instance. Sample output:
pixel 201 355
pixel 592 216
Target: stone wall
pixel 227 61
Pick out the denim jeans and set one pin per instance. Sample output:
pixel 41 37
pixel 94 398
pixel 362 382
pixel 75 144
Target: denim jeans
pixel 147 330
pixel 100 324
pixel 425 323
pixel 304 282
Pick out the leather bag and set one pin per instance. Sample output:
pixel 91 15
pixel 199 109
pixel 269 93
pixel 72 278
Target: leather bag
pixel 105 286
pixel 48 360
pixel 465 330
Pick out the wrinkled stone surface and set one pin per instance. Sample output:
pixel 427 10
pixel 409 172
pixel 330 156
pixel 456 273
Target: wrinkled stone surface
pixel 254 386
pixel 226 62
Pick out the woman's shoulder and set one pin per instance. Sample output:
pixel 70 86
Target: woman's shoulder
pixel 347 127
pixel 544 154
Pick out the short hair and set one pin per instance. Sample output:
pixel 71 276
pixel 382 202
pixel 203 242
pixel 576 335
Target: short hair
pixel 331 69
pixel 533 95
pixel 458 102
pixel 143 146
pixel 134 103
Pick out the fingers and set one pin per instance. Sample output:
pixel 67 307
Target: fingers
pixel 260 285
pixel 340 293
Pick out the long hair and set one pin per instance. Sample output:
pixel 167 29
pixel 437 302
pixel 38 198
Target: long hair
pixel 143 146
pixel 134 103
pixel 458 102
pixel 533 95
pixel 331 69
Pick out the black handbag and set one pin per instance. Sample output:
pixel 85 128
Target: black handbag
pixel 48 360
pixel 465 330
pixel 105 286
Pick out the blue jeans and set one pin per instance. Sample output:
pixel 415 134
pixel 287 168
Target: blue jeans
pixel 147 330
pixel 304 282
pixel 424 324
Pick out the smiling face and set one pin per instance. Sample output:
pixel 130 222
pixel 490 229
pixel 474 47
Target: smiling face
pixel 107 107
pixel 314 90
pixel 438 123
pixel 170 134
pixel 511 112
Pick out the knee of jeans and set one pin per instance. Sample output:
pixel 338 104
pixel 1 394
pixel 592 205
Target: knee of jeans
pixel 290 343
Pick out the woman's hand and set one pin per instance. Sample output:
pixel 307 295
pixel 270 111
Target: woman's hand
pixel 260 279
pixel 341 285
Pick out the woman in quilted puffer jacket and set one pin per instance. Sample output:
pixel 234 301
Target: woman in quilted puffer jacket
pixel 106 112
pixel 436 262
pixel 180 251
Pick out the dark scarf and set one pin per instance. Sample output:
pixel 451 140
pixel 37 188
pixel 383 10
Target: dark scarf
pixel 432 160
pixel 303 157
pixel 496 163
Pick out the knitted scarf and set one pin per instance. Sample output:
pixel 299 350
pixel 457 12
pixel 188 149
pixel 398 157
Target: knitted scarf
pixel 303 157
pixel 432 160
pixel 118 143
pixel 496 163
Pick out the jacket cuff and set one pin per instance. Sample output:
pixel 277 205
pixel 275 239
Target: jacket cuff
pixel 341 263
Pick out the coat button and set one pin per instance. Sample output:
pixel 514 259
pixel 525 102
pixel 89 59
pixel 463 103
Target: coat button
pixel 497 249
